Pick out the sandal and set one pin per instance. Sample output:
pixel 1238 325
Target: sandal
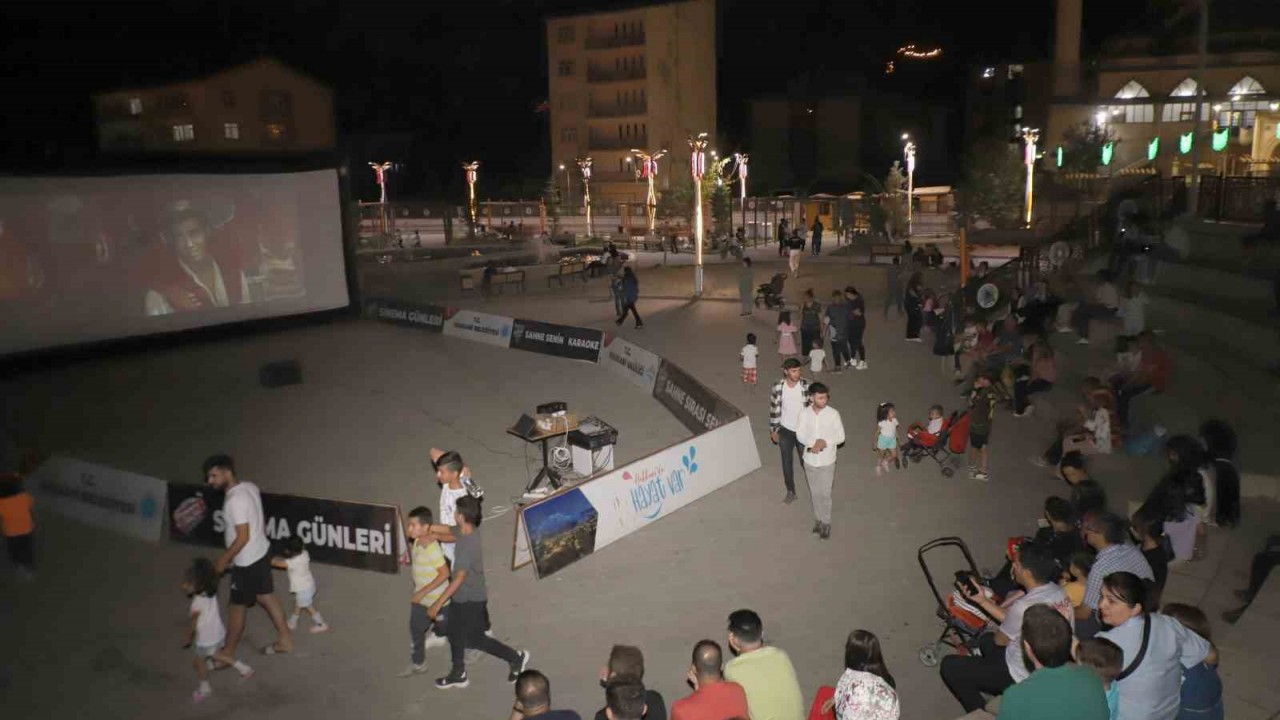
pixel 273 650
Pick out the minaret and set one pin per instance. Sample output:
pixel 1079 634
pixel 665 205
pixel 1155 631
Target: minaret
pixel 1066 49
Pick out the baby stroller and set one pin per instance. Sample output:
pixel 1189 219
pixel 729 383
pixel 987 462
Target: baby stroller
pixel 945 448
pixel 961 622
pixel 769 294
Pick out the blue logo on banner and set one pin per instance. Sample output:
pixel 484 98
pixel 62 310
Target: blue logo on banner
pixel 652 487
pixel 148 507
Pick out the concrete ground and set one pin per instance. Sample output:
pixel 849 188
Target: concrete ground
pixel 99 630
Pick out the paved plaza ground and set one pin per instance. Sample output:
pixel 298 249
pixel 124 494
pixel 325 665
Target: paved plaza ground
pixel 99 630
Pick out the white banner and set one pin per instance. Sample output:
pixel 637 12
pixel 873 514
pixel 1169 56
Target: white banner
pixel 574 523
pixel 630 362
pixel 480 327
pixel 102 496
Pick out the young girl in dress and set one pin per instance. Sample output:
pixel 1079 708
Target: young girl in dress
pixel 887 437
pixel 786 335
pixel 205 631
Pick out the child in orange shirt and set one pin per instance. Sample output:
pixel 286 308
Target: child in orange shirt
pixel 17 523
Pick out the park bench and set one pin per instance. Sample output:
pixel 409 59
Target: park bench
pixel 509 278
pixel 569 269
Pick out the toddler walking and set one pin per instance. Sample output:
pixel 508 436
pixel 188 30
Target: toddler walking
pixel 817 357
pixel 887 437
pixel 749 354
pixel 206 632
pixel 302 584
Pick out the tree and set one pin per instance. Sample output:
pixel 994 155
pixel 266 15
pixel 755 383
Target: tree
pixel 993 184
pixel 551 201
pixel 895 199
pixel 1082 146
pixel 721 207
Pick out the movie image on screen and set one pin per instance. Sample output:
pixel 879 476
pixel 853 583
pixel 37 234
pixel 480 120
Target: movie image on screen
pixel 89 259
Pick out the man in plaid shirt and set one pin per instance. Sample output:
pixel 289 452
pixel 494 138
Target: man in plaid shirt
pixel 1108 534
pixel 787 398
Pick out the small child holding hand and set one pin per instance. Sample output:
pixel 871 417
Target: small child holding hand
pixel 206 631
pixel 302 584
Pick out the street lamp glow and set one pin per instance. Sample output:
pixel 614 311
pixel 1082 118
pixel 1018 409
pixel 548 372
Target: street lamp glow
pixel 584 164
pixel 740 162
pixel 472 170
pixel 698 167
pixel 1030 136
pixel 649 171
pixel 380 175
pixel 910 151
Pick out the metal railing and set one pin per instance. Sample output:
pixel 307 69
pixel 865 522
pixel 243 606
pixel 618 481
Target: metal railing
pixel 619 110
pixel 601 75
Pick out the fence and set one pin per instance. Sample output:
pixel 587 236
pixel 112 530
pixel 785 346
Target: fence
pixel 1236 199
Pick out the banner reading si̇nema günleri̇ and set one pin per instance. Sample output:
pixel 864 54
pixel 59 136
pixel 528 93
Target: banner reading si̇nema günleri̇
pixel 364 536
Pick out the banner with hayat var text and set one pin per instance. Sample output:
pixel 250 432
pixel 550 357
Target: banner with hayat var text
pixel 575 522
pixel 102 496
pixel 364 536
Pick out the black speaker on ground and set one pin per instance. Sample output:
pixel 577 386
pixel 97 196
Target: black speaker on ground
pixel 280 373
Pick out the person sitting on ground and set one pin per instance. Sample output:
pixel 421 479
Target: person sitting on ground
pixel 625 700
pixel 1108 534
pixel 764 672
pixel 1186 494
pixel 1060 533
pixel 628 661
pixel 1154 371
pixel 1106 659
pixel 1076 578
pixel 1037 375
pixel 1001 663
pixel 533 699
pixel 713 698
pixel 1147 529
pixel 866 690
pixel 1057 689
pixel 1077 433
pixel 1201 688
pixel 1220 446
pixel 1087 494
pixel 1157 649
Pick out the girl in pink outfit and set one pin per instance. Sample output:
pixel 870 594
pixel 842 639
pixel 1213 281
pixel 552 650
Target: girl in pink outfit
pixel 786 335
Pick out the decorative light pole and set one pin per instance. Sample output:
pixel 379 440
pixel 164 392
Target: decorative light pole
pixel 380 176
pixel 910 151
pixel 472 169
pixel 649 170
pixel 564 171
pixel 698 166
pixel 740 160
pixel 584 164
pixel 1030 136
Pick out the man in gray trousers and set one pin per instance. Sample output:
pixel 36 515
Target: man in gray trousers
pixel 819 432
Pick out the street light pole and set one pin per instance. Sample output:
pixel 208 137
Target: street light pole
pixel 740 159
pixel 584 164
pixel 1030 136
pixel 698 166
pixel 649 170
pixel 910 150
pixel 565 172
pixel 472 170
pixel 380 175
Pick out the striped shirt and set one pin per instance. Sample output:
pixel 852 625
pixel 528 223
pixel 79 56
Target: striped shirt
pixel 1114 559
pixel 428 562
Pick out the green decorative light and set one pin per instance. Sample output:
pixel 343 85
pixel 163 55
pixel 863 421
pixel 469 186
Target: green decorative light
pixel 1278 131
pixel 1184 142
pixel 1220 139
pixel 1153 148
pixel 1060 153
pixel 1108 151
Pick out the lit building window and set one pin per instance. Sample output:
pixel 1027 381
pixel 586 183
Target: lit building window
pixel 135 106
pixel 1015 71
pixel 231 131
pixel 1247 86
pixel 1184 111
pixel 275 132
pixel 569 135
pixel 1133 113
pixel 184 133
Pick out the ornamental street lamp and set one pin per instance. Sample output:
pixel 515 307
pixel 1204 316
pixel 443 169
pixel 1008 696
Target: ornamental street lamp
pixel 1030 136
pixel 909 149
pixel 565 171
pixel 584 164
pixel 380 175
pixel 472 169
pixel 740 160
pixel 698 166
pixel 649 170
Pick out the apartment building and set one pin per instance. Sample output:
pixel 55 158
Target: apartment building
pixel 639 78
pixel 263 106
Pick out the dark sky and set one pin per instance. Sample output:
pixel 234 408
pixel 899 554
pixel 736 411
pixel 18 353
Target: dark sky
pixel 464 77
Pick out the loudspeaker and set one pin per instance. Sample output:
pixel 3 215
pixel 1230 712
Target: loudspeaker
pixel 280 373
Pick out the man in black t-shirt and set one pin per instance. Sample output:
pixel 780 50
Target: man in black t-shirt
pixel 626 661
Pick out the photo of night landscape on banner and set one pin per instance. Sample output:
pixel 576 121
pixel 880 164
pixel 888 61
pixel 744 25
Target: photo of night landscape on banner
pixel 562 530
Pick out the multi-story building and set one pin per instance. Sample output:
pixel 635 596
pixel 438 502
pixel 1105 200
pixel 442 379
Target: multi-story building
pixel 1144 89
pixel 263 106
pixel 642 78
pixel 1003 98
pixel 799 143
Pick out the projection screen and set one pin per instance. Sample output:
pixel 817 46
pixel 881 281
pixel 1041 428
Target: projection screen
pixel 97 258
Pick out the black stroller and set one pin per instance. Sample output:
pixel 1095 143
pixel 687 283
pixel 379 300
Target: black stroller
pixel 769 295
pixel 960 626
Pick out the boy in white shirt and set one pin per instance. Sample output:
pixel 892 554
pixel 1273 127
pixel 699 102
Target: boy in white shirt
pixel 817 356
pixel 749 355
pixel 302 584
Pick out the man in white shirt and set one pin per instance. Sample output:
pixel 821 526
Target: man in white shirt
pixel 787 398
pixel 819 431
pixel 248 555
pixel 450 473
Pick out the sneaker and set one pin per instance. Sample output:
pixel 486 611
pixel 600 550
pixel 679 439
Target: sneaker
pixel 1082 341
pixel 434 641
pixel 1064 329
pixel 453 680
pixel 321 628
pixel 817 527
pixel 825 532
pixel 639 326
pixel 879 468
pixel 247 674
pixel 292 622
pixel 518 666
pixel 790 498
pixel 862 365
pixel 1039 461
pixel 210 664
pixel 411 670
pixel 981 476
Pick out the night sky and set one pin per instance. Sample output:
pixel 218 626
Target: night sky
pixel 465 78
